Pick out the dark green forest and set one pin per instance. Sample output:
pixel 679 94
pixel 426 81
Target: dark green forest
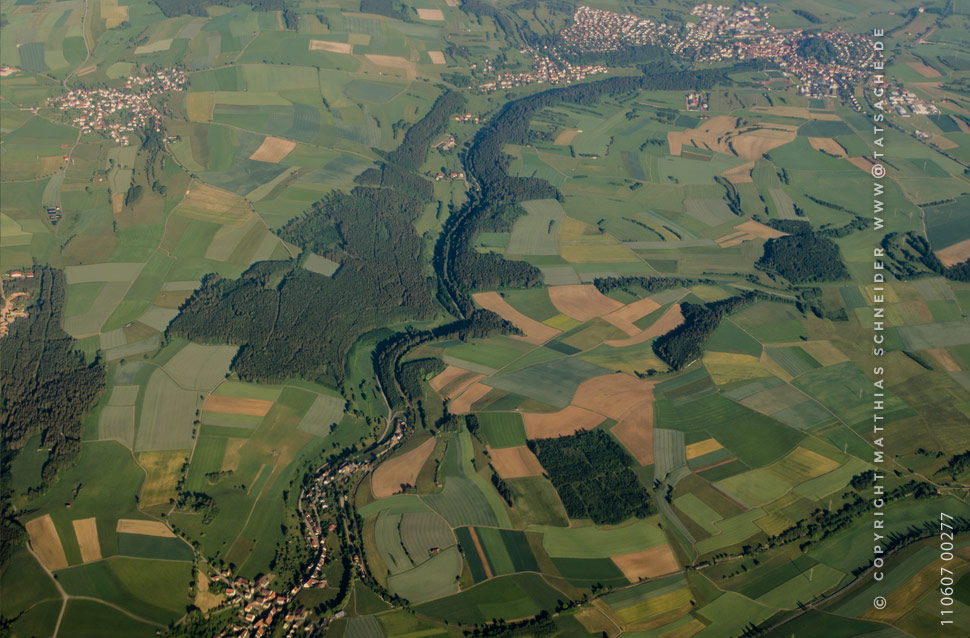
pixel 803 256
pixel 592 475
pixel 48 386
pixel 289 321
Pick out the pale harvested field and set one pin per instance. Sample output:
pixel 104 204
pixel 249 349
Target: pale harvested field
pixel 635 431
pixel 562 423
pixel 701 448
pixel 210 204
pixel 582 302
pixel 759 230
pixel 625 316
pixel 824 352
pixel 944 359
pixel 827 145
pixel 772 366
pixel 237 405
pixel 448 376
pixel 667 322
pixel 862 163
pixel 451 3
pixel 389 476
pixel 332 47
pixel 924 70
pixel 437 57
pixel 145 528
pixel 801 112
pixel 113 14
pixel 86 530
pixel 431 14
pixel 457 387
pixel 199 105
pixel 394 62
pixel 566 137
pixel 733 239
pixel 613 395
pixel 462 404
pixel 754 145
pixel 162 475
pixel 45 542
pixel 272 150
pixel 943 143
pixel 955 254
pixel 533 331
pixel 720 134
pixel 515 462
pixel 51 164
pixel 231 458
pixel 711 133
pixel 117 202
pixel 739 174
pixel 648 563
pixel 205 600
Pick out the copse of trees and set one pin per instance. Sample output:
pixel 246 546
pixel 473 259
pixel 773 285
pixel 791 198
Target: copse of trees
pixel 592 475
pixel 683 344
pixel 910 255
pixel 803 256
pixel 413 150
pixel 48 385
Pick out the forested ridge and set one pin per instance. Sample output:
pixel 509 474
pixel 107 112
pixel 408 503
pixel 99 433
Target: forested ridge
pixel 289 321
pixel 48 386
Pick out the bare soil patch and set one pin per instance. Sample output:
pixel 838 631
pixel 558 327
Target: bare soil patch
pixel 462 404
pixel 581 302
pixel 86 530
pixel 944 359
pixel 635 432
pixel 391 474
pixel 759 230
pixel 625 316
pixel 566 137
pixel 739 174
pixel 613 395
pixel 272 150
pixel 924 70
pixel 431 14
pixel 437 57
pixel 827 145
pixel 533 331
pixel 237 405
pixel 562 423
pixel 648 563
pixel 670 319
pixel 333 47
pixel 45 542
pixel 146 528
pixel 394 62
pixel 515 462
pixel 955 254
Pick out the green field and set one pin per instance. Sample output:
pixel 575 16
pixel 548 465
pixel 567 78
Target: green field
pixel 508 597
pixel 502 429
